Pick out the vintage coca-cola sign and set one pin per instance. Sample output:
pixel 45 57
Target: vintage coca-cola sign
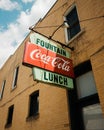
pixel 46 59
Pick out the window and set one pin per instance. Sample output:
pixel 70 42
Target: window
pixel 2 89
pixel 15 77
pixel 93 115
pixel 73 21
pixel 10 116
pixel 84 106
pixel 34 104
pixel 86 85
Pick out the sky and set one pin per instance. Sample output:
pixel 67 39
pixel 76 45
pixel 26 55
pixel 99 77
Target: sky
pixel 17 15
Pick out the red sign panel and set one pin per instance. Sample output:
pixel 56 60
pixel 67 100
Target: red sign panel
pixel 40 57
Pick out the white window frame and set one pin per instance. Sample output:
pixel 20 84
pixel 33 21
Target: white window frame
pixel 66 35
pixel 2 89
pixel 14 77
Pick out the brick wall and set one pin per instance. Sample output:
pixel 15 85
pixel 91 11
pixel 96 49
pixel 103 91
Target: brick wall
pixel 53 106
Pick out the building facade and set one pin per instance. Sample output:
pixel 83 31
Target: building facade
pixel 28 104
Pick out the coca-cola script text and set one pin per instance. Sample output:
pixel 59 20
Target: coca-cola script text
pixel 40 57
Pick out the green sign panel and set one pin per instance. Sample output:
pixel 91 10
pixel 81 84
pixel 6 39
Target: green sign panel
pixel 48 44
pixel 49 77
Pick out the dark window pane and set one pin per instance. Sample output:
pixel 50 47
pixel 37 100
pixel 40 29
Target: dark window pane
pixel 15 77
pixel 74 30
pixel 15 82
pixel 74 26
pixel 2 89
pixel 72 17
pixel 34 104
pixel 10 114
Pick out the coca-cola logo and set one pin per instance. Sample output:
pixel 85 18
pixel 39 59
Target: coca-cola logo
pixel 40 57
pixel 56 62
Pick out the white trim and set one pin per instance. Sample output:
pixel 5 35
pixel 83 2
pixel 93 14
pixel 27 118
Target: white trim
pixel 76 36
pixel 66 13
pixel 66 35
pixel 14 77
pixel 69 10
pixel 2 87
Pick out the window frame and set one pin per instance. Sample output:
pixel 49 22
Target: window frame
pixel 66 33
pixel 15 77
pixel 91 85
pixel 10 116
pixel 76 104
pixel 2 89
pixel 33 112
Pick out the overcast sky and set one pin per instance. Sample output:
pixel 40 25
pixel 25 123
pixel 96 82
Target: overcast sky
pixel 16 16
